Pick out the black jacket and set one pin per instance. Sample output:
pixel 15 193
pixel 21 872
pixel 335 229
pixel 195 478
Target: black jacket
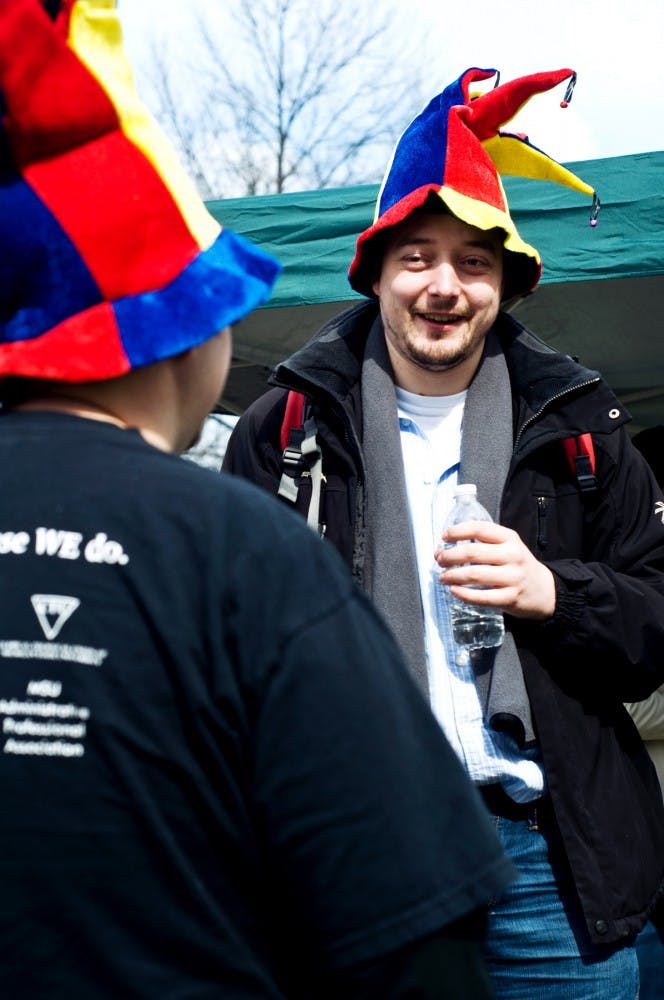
pixel 605 643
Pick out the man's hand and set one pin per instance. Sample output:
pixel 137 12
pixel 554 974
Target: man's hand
pixel 519 584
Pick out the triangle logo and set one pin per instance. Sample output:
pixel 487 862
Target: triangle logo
pixel 52 611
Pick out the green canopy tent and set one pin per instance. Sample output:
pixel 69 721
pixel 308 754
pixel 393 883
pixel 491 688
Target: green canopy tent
pixel 601 297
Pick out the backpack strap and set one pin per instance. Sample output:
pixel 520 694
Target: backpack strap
pixel 301 455
pixel 580 453
pixel 293 416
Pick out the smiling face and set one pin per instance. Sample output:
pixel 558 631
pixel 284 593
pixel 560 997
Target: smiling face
pixel 439 291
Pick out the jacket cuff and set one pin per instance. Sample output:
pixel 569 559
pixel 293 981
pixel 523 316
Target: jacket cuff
pixel 572 581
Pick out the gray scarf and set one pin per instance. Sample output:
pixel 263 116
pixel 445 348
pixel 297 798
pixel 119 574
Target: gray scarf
pixel 390 574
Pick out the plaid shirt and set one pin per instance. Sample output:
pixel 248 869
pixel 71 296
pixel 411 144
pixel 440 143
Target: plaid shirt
pixel 431 465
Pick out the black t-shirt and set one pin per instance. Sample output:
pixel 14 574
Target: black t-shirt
pixel 218 780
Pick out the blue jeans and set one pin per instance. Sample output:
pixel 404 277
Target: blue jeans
pixel 537 946
pixel 650 952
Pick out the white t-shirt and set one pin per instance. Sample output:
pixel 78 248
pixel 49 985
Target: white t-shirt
pixel 430 431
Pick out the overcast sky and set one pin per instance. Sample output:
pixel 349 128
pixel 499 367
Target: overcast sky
pixel 616 47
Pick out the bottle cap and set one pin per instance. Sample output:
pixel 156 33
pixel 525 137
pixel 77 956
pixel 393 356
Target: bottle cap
pixel 465 490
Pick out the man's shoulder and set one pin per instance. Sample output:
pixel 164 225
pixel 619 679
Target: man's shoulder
pixel 355 319
pixel 327 367
pixel 268 407
pixel 335 351
pixel 512 333
pixel 532 362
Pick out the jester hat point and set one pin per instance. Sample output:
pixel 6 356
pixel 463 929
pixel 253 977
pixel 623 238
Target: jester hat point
pixel 450 158
pixel 109 259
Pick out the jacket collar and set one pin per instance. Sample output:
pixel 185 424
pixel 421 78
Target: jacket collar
pixel 546 383
pixel 331 362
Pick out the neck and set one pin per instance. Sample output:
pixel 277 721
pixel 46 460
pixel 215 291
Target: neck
pixel 75 406
pixel 88 409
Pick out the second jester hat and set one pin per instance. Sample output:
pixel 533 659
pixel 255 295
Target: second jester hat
pixel 454 151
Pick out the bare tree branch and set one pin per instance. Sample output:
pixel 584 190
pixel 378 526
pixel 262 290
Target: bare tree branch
pixel 292 96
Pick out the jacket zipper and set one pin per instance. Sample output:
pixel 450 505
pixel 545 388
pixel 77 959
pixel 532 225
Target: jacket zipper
pixel 551 399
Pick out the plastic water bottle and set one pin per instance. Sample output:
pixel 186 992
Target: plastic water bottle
pixel 472 625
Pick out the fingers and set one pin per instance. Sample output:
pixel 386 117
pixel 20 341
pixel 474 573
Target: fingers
pixel 483 531
pixel 495 598
pixel 480 542
pixel 482 575
pixel 533 597
pixel 467 553
pixel 512 578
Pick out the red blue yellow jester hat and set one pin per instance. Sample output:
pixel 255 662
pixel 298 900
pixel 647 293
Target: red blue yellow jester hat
pixel 453 153
pixel 108 258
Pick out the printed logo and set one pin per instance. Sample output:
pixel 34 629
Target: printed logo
pixel 659 509
pixel 53 610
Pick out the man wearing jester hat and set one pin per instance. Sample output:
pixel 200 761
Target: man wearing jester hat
pixel 431 383
pixel 218 778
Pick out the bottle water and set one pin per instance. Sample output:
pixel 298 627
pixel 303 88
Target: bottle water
pixel 472 625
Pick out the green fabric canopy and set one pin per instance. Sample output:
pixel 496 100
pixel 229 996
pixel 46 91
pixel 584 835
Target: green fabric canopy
pixel 601 297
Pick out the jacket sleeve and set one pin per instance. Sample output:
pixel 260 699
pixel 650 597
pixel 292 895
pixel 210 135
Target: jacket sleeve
pixel 253 451
pixel 610 609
